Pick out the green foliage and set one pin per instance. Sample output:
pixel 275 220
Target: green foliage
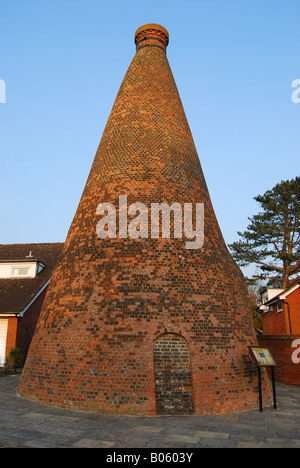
pixel 272 239
pixel 12 359
pixel 254 299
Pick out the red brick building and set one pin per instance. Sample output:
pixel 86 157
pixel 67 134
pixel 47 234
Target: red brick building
pixel 135 323
pixel 25 271
pixel 280 310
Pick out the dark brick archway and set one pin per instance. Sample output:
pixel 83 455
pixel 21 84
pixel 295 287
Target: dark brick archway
pixel 173 380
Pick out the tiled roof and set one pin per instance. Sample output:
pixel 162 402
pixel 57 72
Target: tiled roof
pixel 16 293
pixel 284 291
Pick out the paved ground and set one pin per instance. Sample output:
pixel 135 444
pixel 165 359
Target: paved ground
pixel 27 424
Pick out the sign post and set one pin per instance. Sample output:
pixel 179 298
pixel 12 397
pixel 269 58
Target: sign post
pixel 263 358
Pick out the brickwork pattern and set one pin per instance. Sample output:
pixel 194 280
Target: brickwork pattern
pixel 285 322
pixel 151 35
pixel 109 299
pixel 12 333
pixel 286 371
pixel 294 303
pixel 172 373
pixel 274 322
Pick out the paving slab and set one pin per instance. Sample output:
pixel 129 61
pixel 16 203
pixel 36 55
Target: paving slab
pixel 26 424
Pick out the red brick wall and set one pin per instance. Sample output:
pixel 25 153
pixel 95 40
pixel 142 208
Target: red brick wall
pixel 294 301
pixel 109 299
pixel 172 373
pixel 287 371
pixel 274 323
pixel 12 333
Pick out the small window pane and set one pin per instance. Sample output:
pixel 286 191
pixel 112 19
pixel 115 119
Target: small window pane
pixel 20 271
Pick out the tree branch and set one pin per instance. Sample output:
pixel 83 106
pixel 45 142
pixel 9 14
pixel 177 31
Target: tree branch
pixel 295 268
pixel 269 266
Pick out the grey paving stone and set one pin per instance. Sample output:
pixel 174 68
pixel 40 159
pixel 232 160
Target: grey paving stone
pixel 212 435
pixel 148 429
pixel 189 439
pixel 92 443
pixel 27 424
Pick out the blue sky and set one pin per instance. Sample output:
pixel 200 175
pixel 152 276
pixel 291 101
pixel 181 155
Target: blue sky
pixel 63 62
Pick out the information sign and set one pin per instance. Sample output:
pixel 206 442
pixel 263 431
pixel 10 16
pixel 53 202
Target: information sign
pixel 263 358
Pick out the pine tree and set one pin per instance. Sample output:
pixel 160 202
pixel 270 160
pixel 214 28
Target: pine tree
pixel 272 239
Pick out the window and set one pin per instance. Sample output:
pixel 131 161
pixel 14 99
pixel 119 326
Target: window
pixel 279 306
pixel 40 267
pixel 20 271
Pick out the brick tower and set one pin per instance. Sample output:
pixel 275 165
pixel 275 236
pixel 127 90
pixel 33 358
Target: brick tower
pixel 137 321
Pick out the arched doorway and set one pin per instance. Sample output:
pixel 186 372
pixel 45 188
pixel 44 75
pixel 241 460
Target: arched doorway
pixel 172 373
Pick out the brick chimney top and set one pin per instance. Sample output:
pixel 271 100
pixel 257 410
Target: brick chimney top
pixel 151 35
